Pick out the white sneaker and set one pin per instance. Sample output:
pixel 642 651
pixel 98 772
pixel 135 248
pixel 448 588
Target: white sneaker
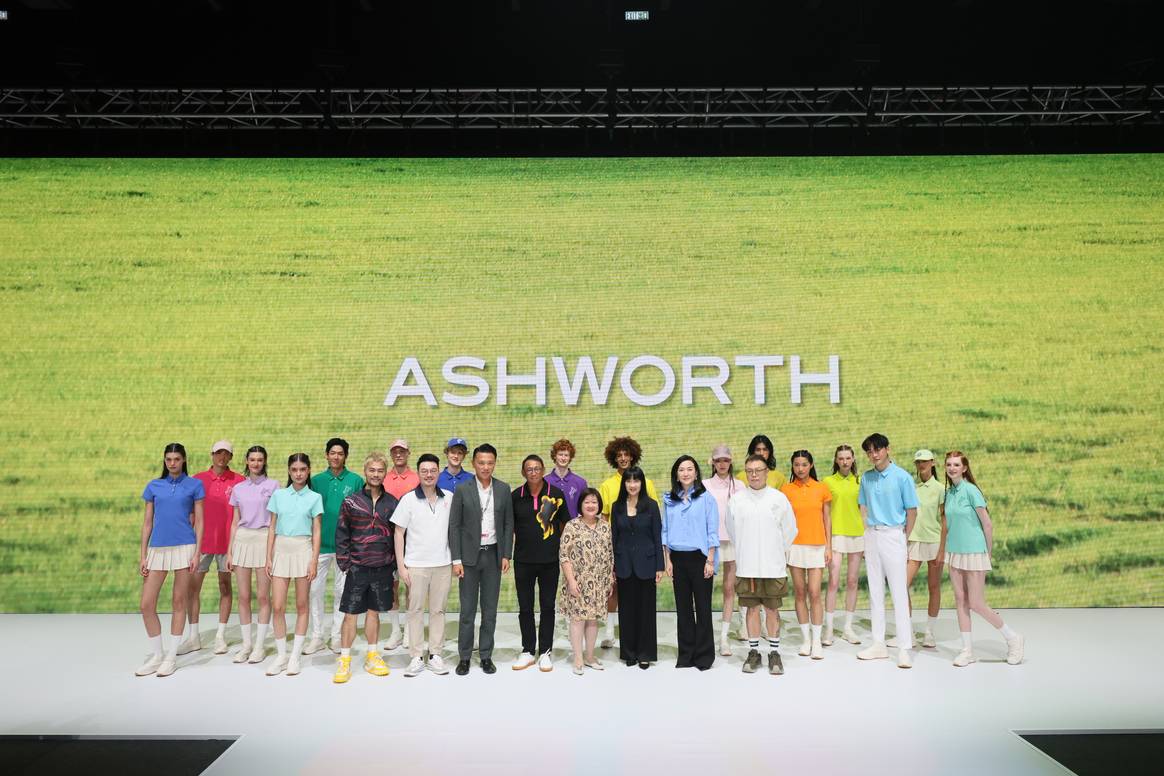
pixel 436 664
pixel 167 667
pixel 293 667
pixel 313 646
pixel 725 647
pixel 805 649
pixel 817 652
pixel 278 667
pixel 1014 650
pixel 545 663
pixel 850 636
pixel 334 644
pixel 928 640
pixel 192 644
pixel 891 642
pixel 395 639
pixel 876 651
pixel 965 658
pixel 903 659
pixel 524 661
pixel 596 664
pixel 414 667
pixel 220 647
pixel 244 652
pixel 149 666
pixel 258 654
pixel 826 637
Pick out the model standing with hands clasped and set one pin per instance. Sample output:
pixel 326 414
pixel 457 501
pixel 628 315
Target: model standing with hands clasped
pixel 812 550
pixel 723 485
pixel 248 551
pixel 927 543
pixel 637 535
pixel 848 542
pixel 169 542
pixel 969 545
pixel 587 559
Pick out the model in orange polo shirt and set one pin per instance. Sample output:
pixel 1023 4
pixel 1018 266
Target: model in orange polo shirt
pixel 811 551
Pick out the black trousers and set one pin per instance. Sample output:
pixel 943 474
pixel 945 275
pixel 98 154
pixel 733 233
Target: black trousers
pixel 545 576
pixel 638 639
pixel 692 610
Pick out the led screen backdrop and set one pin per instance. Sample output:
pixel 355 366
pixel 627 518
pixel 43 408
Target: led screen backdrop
pixel 1010 307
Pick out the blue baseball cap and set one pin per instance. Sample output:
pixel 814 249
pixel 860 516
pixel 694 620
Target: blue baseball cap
pixel 457 442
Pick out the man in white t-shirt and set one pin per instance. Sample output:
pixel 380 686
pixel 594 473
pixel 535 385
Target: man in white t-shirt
pixel 425 564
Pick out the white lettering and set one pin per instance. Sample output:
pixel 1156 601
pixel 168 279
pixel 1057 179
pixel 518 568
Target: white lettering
pixel 537 380
pixel 831 378
pixel 400 387
pixel 714 383
pixel 647 400
pixel 572 388
pixel 759 363
pixel 453 377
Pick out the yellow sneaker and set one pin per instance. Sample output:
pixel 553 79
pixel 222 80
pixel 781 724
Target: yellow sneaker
pixel 343 670
pixel 375 665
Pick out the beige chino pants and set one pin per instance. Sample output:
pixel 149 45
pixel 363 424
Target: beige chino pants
pixel 429 586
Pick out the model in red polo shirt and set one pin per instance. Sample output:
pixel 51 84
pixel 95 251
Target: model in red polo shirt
pixel 218 481
pixel 399 481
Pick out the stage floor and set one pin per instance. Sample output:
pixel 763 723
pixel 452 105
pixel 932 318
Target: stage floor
pixel 1085 670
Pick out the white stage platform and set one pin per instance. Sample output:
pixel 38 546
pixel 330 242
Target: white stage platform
pixel 1085 669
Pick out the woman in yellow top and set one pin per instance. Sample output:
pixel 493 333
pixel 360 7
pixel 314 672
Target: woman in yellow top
pixel 927 543
pixel 848 542
pixel 621 453
pixel 811 550
pixel 762 446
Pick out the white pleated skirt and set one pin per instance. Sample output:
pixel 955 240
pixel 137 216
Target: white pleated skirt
pixel 968 561
pixel 848 544
pixel 292 556
pixel 250 548
pixel 807 556
pixel 169 558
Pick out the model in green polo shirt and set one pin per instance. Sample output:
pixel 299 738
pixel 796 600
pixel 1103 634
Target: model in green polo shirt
pixel 927 541
pixel 333 485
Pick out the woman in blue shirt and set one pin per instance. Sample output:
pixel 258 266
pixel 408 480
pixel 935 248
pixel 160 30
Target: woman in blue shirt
pixel 690 541
pixel 171 531
pixel 969 546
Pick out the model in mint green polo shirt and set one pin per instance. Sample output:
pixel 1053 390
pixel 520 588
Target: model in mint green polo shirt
pixel 965 535
pixel 928 526
pixel 333 489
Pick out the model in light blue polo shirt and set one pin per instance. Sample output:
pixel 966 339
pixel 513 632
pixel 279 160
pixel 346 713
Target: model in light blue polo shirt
pixel 965 529
pixel 173 499
pixel 691 524
pixel 886 495
pixel 295 510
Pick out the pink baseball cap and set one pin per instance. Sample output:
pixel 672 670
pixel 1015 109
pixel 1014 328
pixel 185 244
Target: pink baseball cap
pixel 222 444
pixel 399 443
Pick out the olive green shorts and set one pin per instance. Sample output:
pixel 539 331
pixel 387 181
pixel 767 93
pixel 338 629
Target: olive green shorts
pixel 757 591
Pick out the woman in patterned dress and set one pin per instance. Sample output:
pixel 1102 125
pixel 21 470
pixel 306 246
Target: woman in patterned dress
pixel 587 559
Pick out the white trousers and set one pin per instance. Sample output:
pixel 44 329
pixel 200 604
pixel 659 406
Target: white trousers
pixel 886 551
pixel 318 588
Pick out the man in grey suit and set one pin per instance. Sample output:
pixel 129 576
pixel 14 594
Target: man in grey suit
pixel 481 543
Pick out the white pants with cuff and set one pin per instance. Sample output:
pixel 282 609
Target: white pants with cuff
pixel 316 597
pixel 886 551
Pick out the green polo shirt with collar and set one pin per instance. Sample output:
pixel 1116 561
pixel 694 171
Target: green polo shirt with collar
pixel 334 490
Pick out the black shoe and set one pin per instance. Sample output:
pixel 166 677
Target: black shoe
pixel 644 665
pixel 775 664
pixel 629 663
pixel 462 668
pixel 487 666
pixel 752 662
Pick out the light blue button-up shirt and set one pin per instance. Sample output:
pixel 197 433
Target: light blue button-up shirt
pixel 692 524
pixel 886 495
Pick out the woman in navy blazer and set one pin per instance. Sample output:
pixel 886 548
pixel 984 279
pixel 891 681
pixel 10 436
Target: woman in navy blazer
pixel 636 528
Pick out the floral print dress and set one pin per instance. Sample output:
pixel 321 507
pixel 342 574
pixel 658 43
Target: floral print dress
pixel 590 553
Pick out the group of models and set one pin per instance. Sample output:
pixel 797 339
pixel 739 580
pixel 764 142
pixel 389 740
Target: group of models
pixel 592 554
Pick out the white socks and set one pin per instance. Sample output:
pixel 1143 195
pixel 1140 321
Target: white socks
pixel 298 644
pixel 848 620
pixel 221 632
pixel 1007 633
pixel 191 630
pixel 774 643
pixel 723 628
pixel 155 644
pixel 345 652
pixel 815 633
pixel 967 641
pixel 931 623
pixel 281 646
pixel 261 633
pixel 828 623
pixel 172 650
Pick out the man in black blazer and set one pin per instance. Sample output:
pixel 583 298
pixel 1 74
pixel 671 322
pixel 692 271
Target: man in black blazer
pixel 481 543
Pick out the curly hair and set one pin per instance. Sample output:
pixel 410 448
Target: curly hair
pixel 563 444
pixel 622 443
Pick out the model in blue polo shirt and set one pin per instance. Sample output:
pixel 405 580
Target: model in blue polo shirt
pixel 292 553
pixel 168 542
pixel 969 545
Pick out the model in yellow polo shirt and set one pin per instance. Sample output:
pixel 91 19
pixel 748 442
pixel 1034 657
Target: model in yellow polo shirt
pixel 621 453
pixel 927 541
pixel 848 542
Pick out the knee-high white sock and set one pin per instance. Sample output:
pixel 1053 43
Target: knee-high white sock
pixel 815 633
pixel 1006 632
pixel 261 633
pixel 828 623
pixel 297 646
pixel 804 631
pixel 155 644
pixel 281 646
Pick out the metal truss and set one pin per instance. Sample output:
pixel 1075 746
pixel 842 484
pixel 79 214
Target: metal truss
pixel 614 109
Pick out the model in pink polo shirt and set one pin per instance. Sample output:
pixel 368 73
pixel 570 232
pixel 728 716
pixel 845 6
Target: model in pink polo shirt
pixel 400 480
pixel 218 481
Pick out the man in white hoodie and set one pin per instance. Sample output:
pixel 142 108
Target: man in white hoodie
pixel 762 527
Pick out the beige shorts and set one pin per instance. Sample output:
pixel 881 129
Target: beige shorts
pixel 807 556
pixel 218 559
pixel 761 591
pixel 968 561
pixel 169 558
pixel 250 548
pixel 292 556
pixel 726 552
pixel 848 544
pixel 923 551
